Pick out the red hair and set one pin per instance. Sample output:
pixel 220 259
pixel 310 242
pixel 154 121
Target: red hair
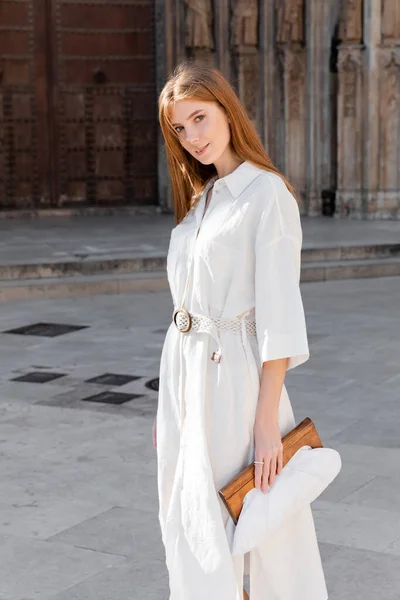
pixel 191 81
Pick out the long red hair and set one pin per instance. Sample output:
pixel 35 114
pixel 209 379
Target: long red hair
pixel 191 81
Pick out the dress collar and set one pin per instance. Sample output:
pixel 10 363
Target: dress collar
pixel 239 179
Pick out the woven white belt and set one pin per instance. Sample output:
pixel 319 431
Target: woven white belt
pixel 185 321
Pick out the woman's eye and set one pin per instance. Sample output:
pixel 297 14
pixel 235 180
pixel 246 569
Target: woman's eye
pixel 179 128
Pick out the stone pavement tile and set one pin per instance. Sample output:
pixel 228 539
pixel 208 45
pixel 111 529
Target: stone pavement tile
pixel 329 428
pixel 350 479
pixel 133 490
pixel 39 569
pixel 48 452
pixel 74 396
pixel 82 475
pixel 370 401
pixel 140 366
pixel 75 399
pixel 319 402
pixel 304 403
pixel 146 406
pixel 380 461
pixel 25 424
pixel 128 580
pixel 68 381
pixel 380 492
pixel 32 392
pixel 355 526
pixel 47 516
pixel 339 369
pixel 366 371
pixel 119 531
pixel 382 347
pixel 8 407
pixel 356 574
pixel 393 548
pixel 366 432
pixel 139 386
pixel 316 382
pixel 392 384
pixel 93 485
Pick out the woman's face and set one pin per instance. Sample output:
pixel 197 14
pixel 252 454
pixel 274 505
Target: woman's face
pixel 202 128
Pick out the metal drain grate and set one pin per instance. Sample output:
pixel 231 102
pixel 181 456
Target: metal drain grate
pixel 114 379
pixel 46 329
pixel 111 398
pixel 39 377
pixel 153 384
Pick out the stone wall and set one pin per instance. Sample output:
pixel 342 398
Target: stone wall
pixel 321 81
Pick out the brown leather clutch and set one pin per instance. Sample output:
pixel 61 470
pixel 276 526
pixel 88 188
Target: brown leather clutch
pixel 233 493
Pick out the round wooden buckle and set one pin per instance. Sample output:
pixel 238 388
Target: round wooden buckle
pixel 182 320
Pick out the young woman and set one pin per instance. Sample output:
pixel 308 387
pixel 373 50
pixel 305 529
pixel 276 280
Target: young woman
pixel 238 325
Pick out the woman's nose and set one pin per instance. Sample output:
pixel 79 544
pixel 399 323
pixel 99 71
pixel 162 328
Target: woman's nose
pixel 192 136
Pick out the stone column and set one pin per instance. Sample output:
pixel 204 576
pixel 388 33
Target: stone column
pixel 388 199
pixel 294 78
pixel 199 34
pixel 163 10
pixel 318 152
pixel 222 37
pixel 268 81
pixel 388 196
pixel 290 40
pixel 350 118
pixel 372 38
pixel 184 28
pixel 245 56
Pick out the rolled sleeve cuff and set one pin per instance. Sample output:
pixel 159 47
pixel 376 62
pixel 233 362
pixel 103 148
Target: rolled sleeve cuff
pixel 293 346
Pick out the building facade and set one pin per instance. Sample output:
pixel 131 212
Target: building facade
pixel 79 81
pixel 321 81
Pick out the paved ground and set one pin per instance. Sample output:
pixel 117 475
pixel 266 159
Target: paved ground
pixel 51 239
pixel 78 502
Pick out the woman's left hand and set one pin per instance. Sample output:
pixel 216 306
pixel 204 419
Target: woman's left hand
pixel 269 448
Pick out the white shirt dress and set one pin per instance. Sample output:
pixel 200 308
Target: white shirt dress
pixel 243 262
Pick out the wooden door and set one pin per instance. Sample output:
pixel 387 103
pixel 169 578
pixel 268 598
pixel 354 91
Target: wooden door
pixel 24 142
pixel 104 97
pixel 78 121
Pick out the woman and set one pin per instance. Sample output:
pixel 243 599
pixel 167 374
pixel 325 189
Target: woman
pixel 234 265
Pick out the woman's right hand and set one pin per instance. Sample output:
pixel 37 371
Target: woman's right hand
pixel 154 433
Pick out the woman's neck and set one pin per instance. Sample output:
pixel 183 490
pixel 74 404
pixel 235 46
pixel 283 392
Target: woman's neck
pixel 227 163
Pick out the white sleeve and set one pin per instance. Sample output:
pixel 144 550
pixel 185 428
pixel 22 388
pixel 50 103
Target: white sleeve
pixel 279 313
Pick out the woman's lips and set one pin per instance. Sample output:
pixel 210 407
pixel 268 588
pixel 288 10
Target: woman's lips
pixel 203 150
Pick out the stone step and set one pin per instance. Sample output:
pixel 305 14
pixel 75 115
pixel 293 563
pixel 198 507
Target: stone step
pixel 35 289
pixel 156 281
pixel 116 265
pixel 350 269
pixel 79 211
pixel 350 252
pixel 82 267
